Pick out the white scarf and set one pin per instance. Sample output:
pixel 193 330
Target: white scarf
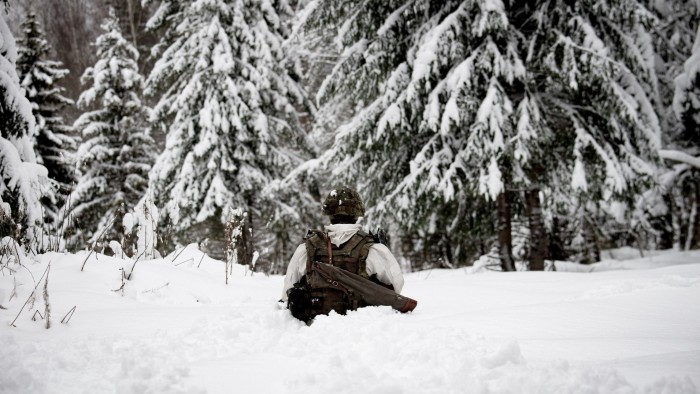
pixel 341 233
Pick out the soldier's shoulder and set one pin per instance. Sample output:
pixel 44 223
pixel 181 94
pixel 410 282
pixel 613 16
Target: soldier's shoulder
pixel 368 236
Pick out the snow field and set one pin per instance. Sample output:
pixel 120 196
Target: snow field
pixel 177 328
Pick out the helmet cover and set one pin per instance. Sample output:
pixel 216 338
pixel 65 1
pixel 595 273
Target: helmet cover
pixel 343 201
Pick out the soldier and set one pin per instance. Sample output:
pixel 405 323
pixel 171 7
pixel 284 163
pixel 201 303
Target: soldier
pixel 343 245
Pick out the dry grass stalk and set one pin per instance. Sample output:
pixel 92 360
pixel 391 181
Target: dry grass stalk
pixel 68 315
pixel 47 304
pixel 32 296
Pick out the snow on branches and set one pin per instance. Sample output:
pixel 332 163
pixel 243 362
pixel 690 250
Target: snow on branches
pixel 227 103
pixel 116 150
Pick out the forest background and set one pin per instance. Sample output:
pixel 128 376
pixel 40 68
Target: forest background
pixel 524 132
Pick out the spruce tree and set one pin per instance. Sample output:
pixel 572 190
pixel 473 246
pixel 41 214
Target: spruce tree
pixel 227 100
pixel 674 37
pixel 467 101
pixel 687 102
pixel 667 216
pixel 116 151
pixel 685 152
pixel 55 142
pixel 24 182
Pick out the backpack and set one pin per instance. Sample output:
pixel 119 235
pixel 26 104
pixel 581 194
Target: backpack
pixel 306 301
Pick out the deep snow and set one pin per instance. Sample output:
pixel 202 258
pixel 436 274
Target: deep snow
pixel 626 327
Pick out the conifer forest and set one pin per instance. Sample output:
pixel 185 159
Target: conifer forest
pixel 520 132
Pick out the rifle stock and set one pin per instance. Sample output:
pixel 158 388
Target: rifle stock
pixel 328 276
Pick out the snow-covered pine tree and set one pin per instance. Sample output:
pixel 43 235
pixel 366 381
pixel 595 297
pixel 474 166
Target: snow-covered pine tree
pixel 684 177
pixel 55 142
pixel 673 36
pixel 598 89
pixel 686 101
pixel 227 103
pixel 466 100
pixel 116 151
pixel 378 42
pixel 660 217
pixel 24 181
pixel 133 17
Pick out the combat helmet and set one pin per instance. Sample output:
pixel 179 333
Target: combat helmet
pixel 343 202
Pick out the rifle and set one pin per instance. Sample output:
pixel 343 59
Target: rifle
pixel 361 290
pixel 380 237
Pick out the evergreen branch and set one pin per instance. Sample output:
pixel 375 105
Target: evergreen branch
pixel 681 157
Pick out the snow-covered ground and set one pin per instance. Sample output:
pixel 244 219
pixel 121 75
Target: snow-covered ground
pixel 631 327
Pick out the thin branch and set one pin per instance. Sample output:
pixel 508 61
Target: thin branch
pixel 68 315
pixel 122 286
pixel 156 289
pixel 178 254
pixel 137 260
pixel 94 243
pixel 681 157
pixel 185 261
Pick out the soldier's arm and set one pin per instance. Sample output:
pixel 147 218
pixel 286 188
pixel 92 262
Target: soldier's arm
pixel 295 270
pixel 381 261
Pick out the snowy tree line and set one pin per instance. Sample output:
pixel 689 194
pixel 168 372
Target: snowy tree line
pixel 522 131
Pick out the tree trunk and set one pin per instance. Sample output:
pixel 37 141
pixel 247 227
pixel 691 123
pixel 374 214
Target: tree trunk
pixel 677 220
pixel 131 9
pixel 245 250
pixel 693 239
pixel 538 242
pixel 505 241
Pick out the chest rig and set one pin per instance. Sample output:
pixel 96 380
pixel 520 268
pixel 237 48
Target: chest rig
pixel 350 256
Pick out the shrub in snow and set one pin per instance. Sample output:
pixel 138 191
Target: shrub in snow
pixel 12 255
pixel 140 230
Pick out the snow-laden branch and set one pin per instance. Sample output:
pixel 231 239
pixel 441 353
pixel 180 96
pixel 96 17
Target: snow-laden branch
pixel 680 157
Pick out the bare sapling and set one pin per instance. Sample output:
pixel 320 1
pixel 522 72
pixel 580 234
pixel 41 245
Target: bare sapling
pixel 47 304
pixel 123 277
pixel 234 227
pixel 66 209
pixel 136 261
pixel 32 296
pixel 107 227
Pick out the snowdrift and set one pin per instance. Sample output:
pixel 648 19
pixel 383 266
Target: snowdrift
pixel 175 327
